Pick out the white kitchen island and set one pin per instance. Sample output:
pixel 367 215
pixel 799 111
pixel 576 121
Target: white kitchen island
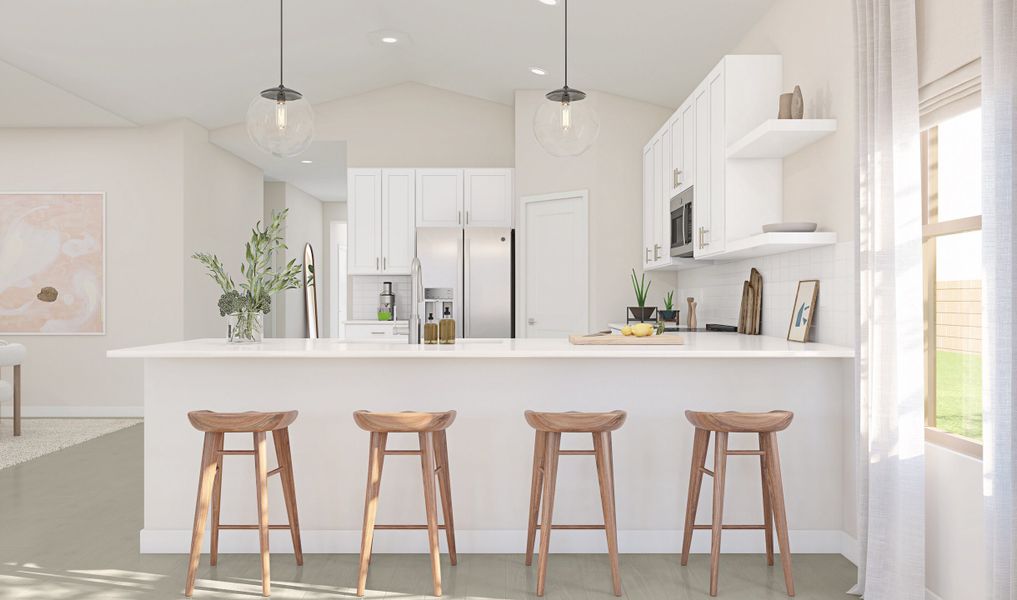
pixel 490 383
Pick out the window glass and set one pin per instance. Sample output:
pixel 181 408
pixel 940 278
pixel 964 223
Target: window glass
pixel 959 168
pixel 958 325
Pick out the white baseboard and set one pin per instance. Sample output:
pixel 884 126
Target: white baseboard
pixel 109 412
pixel 849 548
pixel 178 541
pixel 929 595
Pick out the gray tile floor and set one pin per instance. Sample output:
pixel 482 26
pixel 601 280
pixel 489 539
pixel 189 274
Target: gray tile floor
pixel 69 526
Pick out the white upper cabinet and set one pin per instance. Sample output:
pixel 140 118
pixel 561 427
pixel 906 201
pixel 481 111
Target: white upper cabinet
pixel 732 198
pixel 487 198
pixel 364 217
pixel 381 221
pixel 439 197
pixel 398 227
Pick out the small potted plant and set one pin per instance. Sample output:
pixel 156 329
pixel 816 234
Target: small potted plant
pixel 245 305
pixel 641 312
pixel 669 313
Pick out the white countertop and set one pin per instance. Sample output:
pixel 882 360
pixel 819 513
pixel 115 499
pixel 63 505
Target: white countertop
pixel 697 345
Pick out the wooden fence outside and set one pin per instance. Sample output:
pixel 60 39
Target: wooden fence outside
pixel 959 316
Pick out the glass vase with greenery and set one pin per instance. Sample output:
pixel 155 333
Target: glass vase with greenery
pixel 245 304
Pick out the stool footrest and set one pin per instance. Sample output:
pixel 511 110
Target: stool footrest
pixel 397 527
pixel 402 452
pixel 252 527
pixel 706 471
pixel 237 452
pixel 576 452
pixel 730 526
pixel 274 471
pixel 539 526
pixel 745 453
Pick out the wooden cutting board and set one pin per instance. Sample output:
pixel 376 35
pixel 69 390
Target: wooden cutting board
pixel 625 340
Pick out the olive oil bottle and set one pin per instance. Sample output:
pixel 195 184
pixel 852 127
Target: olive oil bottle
pixel 430 330
pixel 447 328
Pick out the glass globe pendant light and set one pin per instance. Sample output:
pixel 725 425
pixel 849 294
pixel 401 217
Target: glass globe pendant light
pixel 564 126
pixel 279 120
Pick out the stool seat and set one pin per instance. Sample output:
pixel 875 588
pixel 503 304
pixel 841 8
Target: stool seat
pixel 575 422
pixel 244 422
pixel 404 422
pixel 741 422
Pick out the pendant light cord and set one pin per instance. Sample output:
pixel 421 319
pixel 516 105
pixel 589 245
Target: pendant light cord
pixel 566 42
pixel 280 43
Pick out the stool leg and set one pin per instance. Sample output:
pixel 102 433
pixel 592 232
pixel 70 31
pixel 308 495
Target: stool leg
pixel 719 468
pixel 779 513
pixel 17 399
pixel 285 461
pixel 699 448
pixel 536 483
pixel 370 507
pixel 551 448
pixel 261 482
pixel 427 470
pixel 213 553
pixel 205 478
pixel 605 476
pixel 767 511
pixel 445 490
pixel 383 441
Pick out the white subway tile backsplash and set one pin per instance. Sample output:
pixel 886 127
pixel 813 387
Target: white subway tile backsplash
pixel 718 290
pixel 364 291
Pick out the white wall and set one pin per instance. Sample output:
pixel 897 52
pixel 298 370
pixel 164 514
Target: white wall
pixel 954 525
pixel 331 211
pixel 612 172
pixel 303 225
pixel 146 179
pixel 415 125
pixel 817 42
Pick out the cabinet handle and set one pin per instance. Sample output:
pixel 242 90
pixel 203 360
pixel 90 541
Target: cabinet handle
pixel 377 333
pixel 459 219
pixel 531 321
pixel 647 254
pixel 384 263
pixel 656 254
pixel 702 237
pixel 376 267
pixel 677 177
pixel 467 217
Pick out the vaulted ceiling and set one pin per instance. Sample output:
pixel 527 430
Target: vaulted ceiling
pixel 142 61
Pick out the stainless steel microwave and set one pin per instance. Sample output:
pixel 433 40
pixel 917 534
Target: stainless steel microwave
pixel 681 224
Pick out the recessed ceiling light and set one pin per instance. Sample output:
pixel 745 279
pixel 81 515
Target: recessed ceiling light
pixel 549 2
pixel 537 71
pixel 389 39
pixel 306 162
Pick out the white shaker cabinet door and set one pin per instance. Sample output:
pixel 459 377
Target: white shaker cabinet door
pixel 364 217
pixel 398 227
pixel 439 197
pixel 488 198
pixel 649 204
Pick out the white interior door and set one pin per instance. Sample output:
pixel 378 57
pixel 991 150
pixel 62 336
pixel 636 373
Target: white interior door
pixel 555 258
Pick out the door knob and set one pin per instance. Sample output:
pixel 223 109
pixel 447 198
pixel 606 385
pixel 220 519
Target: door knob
pixel 531 321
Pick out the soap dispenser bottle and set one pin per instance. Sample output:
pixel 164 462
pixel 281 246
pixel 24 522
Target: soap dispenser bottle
pixel 430 330
pixel 447 327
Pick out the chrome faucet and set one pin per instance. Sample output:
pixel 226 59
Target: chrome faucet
pixel 416 297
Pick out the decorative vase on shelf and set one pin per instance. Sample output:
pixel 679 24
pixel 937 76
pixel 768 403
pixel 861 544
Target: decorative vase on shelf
pixel 245 327
pixel 670 316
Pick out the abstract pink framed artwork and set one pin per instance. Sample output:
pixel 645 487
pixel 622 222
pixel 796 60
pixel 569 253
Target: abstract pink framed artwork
pixel 53 263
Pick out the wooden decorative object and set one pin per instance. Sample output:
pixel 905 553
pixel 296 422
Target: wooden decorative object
pixel 756 281
pixel 546 451
pixel 765 426
pixel 430 429
pixel 744 307
pixel 797 104
pixel 216 426
pixel 784 106
pixel 692 312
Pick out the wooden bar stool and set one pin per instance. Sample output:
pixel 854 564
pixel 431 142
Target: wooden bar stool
pixel 216 426
pixel 546 450
pixel 430 429
pixel 766 426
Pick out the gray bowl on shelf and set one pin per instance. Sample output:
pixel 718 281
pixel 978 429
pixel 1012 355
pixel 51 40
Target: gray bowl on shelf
pixel 792 227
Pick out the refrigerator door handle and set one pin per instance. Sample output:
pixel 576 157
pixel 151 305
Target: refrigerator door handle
pixel 466 286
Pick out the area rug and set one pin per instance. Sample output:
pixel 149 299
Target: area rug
pixel 43 436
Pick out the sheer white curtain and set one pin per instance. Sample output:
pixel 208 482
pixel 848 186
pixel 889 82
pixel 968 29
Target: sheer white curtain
pixel 890 395
pixel 999 333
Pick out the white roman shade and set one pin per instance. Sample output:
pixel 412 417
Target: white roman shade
pixel 949 58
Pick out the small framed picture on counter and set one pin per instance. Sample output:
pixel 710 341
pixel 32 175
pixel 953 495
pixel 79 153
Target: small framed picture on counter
pixel 804 308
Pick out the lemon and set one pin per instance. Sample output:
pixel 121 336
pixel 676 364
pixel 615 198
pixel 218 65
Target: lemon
pixel 642 330
pixel 626 330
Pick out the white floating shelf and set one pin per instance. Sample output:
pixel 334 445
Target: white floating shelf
pixel 681 264
pixel 777 138
pixel 765 244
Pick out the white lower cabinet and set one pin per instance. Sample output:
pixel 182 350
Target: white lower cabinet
pixel 382 235
pixel 379 331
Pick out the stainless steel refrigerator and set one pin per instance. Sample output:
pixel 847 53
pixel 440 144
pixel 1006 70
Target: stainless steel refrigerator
pixel 477 264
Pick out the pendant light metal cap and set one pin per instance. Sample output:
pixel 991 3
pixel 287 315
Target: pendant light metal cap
pixel 281 93
pixel 565 94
